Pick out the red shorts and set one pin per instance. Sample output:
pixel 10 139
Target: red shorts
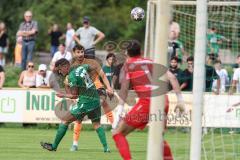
pixel 138 116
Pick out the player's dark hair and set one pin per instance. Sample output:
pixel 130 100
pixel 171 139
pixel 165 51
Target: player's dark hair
pixel 61 62
pixel 110 55
pixel 62 44
pixel 134 48
pixel 217 61
pixel 78 47
pixel 190 59
pixel 174 58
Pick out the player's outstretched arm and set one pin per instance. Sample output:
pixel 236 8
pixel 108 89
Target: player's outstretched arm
pixel 175 85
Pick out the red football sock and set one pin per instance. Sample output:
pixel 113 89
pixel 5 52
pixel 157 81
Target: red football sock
pixel 167 152
pixel 122 145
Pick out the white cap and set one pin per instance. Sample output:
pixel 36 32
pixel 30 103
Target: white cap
pixel 42 67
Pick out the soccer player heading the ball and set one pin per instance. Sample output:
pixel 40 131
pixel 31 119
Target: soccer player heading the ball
pixel 79 85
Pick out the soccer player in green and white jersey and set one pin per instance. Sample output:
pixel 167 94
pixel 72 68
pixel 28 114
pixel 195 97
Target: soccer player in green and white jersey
pixel 79 85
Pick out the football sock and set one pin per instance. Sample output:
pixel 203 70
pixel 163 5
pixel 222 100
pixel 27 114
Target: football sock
pixel 101 134
pixel 60 134
pixel 122 145
pixel 167 152
pixel 76 132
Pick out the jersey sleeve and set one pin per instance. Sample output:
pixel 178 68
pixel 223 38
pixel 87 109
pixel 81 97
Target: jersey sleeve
pixel 236 75
pixel 72 80
pixel 94 31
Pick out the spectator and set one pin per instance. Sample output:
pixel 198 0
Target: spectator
pixel 4 43
pixel 28 30
pixel 175 70
pixel 55 35
pixel 211 75
pixel 187 84
pixel 235 80
pixel 42 78
pixel 87 35
pixel 214 40
pixel 18 52
pixel 223 75
pixel 175 47
pixel 61 53
pixel 2 77
pixel 69 42
pixel 27 78
pixel 108 69
pixel 175 27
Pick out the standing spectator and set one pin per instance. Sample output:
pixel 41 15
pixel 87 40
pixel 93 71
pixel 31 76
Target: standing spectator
pixel 87 37
pixel 42 78
pixel 55 35
pixel 175 70
pixel 175 27
pixel 108 69
pixel 223 75
pixel 4 43
pixel 18 52
pixel 27 78
pixel 214 40
pixel 69 42
pixel 61 53
pixel 175 47
pixel 28 30
pixel 235 80
pixel 2 77
pixel 211 75
pixel 187 84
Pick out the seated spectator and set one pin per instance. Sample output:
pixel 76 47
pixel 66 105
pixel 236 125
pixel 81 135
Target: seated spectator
pixel 175 70
pixel 42 78
pixel 108 69
pixel 211 75
pixel 2 77
pixel 223 75
pixel 27 78
pixel 187 84
pixel 61 53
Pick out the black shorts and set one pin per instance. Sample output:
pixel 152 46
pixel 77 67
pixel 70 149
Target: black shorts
pixel 102 92
pixel 90 53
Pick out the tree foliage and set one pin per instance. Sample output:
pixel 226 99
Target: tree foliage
pixel 110 16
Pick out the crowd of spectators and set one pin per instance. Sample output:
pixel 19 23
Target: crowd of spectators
pixel 181 63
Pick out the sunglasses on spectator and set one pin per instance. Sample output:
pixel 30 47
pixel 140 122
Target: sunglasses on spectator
pixel 30 66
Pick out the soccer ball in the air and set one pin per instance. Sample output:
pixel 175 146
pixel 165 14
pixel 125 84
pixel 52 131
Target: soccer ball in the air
pixel 137 14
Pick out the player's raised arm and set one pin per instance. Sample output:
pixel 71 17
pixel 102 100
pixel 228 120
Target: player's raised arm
pixel 175 85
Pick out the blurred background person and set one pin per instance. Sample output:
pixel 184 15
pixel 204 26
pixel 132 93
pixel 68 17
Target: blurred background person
pixel 2 77
pixel 187 84
pixel 108 68
pixel 88 36
pixel 174 69
pixel 69 41
pixel 61 53
pixel 27 78
pixel 223 75
pixel 28 31
pixel 42 77
pixel 56 35
pixel 4 43
pixel 18 52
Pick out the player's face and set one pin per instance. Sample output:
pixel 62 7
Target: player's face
pixel 174 64
pixel 64 70
pixel 79 54
pixel 111 61
pixel 61 48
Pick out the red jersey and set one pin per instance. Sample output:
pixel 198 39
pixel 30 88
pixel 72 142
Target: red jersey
pixel 138 71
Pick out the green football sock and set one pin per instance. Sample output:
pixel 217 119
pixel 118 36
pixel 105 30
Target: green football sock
pixel 102 137
pixel 60 134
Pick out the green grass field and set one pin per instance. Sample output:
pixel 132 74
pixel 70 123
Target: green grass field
pixel 23 144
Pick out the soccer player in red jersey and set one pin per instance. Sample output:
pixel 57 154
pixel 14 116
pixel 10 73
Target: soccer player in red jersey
pixel 137 72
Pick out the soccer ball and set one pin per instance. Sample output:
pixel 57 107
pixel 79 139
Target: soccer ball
pixel 137 14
